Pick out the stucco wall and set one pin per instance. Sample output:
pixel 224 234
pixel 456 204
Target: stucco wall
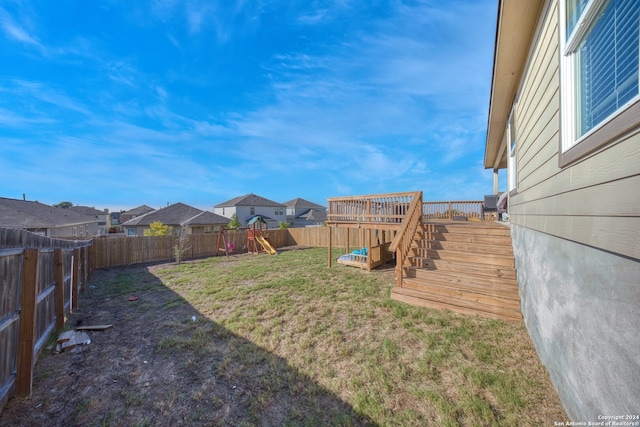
pixel 581 307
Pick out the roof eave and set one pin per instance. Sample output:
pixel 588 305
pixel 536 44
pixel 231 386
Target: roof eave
pixel 515 29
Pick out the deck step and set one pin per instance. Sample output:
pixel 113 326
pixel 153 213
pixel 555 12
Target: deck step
pixel 455 304
pixel 470 257
pixel 461 276
pixel 481 248
pixel 464 267
pixel 458 267
pixel 482 229
pixel 482 239
pixel 473 292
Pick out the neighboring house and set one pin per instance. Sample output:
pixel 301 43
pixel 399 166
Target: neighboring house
pixel 250 205
pixel 303 213
pixel 115 223
pixel 46 220
pixel 134 213
pixel 564 120
pixel 177 215
pixel 103 217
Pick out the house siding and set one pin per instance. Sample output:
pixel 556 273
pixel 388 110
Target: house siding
pixel 595 201
pixel 575 234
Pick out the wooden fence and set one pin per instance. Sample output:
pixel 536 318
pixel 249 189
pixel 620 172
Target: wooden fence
pixel 120 251
pixel 40 279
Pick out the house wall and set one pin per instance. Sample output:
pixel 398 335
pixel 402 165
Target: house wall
pixel 81 230
pixel 226 212
pixel 201 229
pixel 575 234
pixel 580 306
pixel 244 213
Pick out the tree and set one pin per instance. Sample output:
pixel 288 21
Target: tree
pixel 157 228
pixel 180 248
pixel 63 205
pixel 283 224
pixel 235 222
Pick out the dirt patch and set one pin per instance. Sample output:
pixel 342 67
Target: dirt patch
pixel 157 366
pixel 281 340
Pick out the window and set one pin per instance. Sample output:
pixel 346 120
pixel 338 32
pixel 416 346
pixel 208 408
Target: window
pixel 511 161
pixel 279 211
pixel 599 71
pixel 252 210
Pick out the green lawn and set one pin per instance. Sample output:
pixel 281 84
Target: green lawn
pixel 281 341
pixel 340 334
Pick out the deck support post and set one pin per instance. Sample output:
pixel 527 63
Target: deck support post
pixel 330 228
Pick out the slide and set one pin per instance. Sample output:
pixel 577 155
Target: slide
pixel 266 246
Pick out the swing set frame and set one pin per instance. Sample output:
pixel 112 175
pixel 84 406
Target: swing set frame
pixel 224 244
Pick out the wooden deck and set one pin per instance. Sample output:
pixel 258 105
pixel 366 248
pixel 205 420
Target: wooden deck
pixel 466 267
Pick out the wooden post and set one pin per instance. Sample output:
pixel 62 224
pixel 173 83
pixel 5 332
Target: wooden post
pixel 348 230
pixel 75 281
pixel 495 181
pixel 330 245
pixel 399 265
pixel 368 245
pixel 27 329
pixel 92 259
pixel 59 291
pixel 84 267
pixel 449 213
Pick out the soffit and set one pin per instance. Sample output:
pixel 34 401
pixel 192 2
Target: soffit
pixel 516 26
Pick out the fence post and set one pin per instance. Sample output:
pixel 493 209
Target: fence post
pixel 59 291
pixel 27 328
pixel 84 267
pixel 78 264
pixel 450 214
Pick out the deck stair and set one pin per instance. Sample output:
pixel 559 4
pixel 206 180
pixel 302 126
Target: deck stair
pixel 466 267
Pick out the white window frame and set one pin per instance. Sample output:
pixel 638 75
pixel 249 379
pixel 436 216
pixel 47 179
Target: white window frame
pixel 512 147
pixel 610 129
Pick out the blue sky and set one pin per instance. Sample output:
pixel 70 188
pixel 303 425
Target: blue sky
pixel 115 104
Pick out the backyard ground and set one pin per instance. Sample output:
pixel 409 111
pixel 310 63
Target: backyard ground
pixel 281 340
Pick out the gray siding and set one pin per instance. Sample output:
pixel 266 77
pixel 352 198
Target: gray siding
pixel 594 201
pixel 575 233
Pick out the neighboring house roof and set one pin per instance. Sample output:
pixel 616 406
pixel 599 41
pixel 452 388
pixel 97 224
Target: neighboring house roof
pixel 249 200
pixel 86 210
pixel 176 214
pixel 15 213
pixel 140 210
pixel 207 218
pixel 302 203
pixel 313 215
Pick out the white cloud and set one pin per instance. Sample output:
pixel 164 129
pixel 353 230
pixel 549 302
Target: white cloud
pixel 17 32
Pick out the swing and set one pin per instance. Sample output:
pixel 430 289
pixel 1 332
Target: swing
pixel 224 244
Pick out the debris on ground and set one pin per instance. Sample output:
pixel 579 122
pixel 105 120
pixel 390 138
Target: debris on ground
pixel 93 327
pixel 68 340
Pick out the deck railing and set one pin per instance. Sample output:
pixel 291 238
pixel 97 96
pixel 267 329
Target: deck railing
pixel 401 244
pixel 378 208
pixel 470 210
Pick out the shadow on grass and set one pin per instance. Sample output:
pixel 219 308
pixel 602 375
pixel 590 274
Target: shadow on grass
pixel 158 366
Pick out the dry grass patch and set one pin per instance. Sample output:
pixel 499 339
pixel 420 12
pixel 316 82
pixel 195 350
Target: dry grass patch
pixel 283 340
